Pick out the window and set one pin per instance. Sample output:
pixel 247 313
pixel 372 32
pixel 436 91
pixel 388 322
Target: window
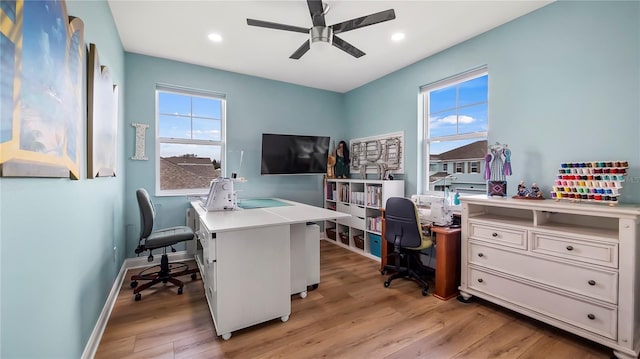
pixel 190 140
pixel 474 167
pixel 454 122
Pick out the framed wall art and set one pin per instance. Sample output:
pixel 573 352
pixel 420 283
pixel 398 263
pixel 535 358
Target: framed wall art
pixel 102 118
pixel 42 90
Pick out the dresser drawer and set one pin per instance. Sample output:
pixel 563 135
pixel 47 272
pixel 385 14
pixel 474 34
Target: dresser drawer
pixel 510 237
pixel 598 319
pixel 598 284
pixel 601 253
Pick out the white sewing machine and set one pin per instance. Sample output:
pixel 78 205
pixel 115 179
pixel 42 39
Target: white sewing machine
pixel 434 208
pixel 221 195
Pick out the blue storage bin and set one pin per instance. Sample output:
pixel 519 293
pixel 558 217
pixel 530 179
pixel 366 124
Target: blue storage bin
pixel 374 244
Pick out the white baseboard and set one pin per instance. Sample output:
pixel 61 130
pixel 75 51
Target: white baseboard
pixel 138 262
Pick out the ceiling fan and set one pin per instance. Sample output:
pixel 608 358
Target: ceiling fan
pixel 320 32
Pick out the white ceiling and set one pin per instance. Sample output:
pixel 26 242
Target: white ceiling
pixel 178 30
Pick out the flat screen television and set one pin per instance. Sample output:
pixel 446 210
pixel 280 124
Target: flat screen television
pixel 293 154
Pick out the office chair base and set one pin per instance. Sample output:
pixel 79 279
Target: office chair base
pixel 403 272
pixel 164 275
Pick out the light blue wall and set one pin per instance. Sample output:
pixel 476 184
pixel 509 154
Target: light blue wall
pixel 564 85
pixel 57 236
pixel 254 106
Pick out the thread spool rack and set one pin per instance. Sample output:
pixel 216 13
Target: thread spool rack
pixel 594 181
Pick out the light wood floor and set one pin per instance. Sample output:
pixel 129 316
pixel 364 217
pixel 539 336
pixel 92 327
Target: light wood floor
pixel 351 315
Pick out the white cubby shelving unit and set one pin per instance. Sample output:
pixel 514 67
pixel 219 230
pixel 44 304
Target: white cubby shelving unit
pixel 363 199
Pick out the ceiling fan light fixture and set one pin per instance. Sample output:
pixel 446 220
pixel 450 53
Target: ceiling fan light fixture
pixel 397 36
pixel 215 37
pixel 326 36
pixel 321 34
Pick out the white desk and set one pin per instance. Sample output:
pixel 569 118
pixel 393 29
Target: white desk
pixel 252 260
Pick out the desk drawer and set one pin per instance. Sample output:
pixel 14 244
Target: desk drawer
pixel 510 237
pixel 208 244
pixel 601 253
pixel 594 283
pixel 598 319
pixel 211 273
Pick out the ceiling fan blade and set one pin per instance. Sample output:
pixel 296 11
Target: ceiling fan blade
pixel 317 12
pixel 301 51
pixel 273 25
pixel 364 21
pixel 347 47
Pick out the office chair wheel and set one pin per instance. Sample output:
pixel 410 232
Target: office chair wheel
pixel 194 276
pixel 383 272
pixel 133 284
pixel 424 292
pixel 387 284
pixel 179 290
pixel 138 297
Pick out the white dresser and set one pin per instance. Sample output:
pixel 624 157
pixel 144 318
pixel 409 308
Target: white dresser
pixel 572 265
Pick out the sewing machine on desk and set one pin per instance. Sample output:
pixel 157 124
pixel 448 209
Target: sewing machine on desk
pixel 434 208
pixel 222 195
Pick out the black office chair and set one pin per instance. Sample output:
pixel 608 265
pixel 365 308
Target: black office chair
pixel 163 238
pixel 403 230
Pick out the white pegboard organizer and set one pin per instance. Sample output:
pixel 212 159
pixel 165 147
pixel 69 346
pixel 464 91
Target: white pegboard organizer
pixel 593 181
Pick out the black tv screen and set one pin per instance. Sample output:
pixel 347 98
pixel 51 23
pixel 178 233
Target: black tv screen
pixel 293 154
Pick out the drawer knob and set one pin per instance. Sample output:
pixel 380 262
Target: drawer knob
pixel 592 282
pixel 480 280
pixel 591 316
pixel 480 255
pixel 494 234
pixel 569 248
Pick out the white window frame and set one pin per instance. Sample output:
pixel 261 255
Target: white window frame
pixel 423 121
pixel 458 167
pixel 160 140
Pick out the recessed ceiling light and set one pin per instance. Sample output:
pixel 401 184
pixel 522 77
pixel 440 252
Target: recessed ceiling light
pixel 397 36
pixel 215 37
